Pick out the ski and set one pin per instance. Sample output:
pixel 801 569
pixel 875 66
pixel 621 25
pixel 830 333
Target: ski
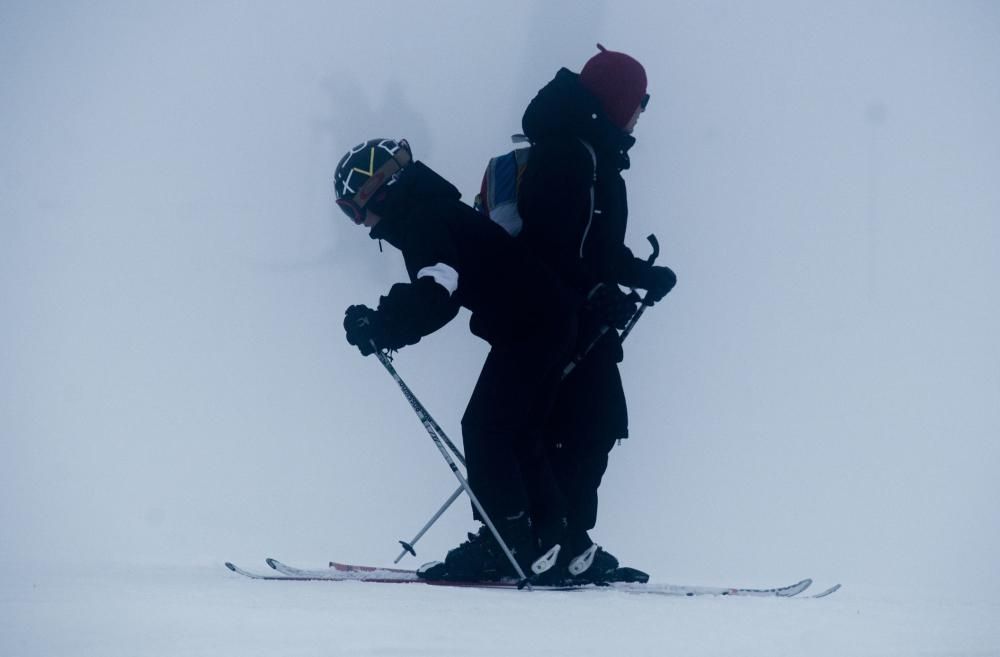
pixel 363 572
pixel 339 572
pixel 246 573
pixel 823 594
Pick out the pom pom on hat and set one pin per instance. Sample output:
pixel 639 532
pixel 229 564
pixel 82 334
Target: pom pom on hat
pixel 617 81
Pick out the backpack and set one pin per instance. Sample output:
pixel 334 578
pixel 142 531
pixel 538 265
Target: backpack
pixel 497 197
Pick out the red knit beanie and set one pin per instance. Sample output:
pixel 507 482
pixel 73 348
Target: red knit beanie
pixel 618 82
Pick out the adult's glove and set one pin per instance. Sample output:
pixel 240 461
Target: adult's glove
pixel 611 305
pixel 659 281
pixel 362 325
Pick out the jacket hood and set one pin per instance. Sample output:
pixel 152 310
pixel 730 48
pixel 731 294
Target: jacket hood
pixel 416 186
pixel 564 108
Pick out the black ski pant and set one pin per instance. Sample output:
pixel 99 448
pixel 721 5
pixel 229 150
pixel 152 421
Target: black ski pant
pixel 506 452
pixel 589 415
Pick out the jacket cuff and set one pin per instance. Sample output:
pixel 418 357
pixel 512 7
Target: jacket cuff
pixel 635 273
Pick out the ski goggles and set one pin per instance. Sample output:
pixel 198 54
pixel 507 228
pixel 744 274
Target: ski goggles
pixel 354 212
pixel 644 102
pixel 354 207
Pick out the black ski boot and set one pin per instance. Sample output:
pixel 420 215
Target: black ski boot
pixel 482 559
pixel 544 570
pixel 589 563
pixel 593 565
pixel 475 559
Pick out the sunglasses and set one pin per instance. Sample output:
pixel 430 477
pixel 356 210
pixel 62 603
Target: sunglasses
pixel 644 102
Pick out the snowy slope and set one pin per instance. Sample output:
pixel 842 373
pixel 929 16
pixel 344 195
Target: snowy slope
pixel 206 610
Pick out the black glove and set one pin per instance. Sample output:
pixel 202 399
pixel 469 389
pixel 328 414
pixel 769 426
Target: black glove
pixel 362 325
pixel 611 305
pixel 659 281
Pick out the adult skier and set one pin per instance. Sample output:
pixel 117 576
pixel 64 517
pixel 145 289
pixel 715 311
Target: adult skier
pixel 572 200
pixel 456 258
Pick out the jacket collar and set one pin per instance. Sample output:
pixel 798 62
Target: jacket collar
pixel 413 188
pixel 564 108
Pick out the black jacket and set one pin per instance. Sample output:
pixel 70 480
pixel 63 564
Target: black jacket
pixel 456 257
pixel 554 198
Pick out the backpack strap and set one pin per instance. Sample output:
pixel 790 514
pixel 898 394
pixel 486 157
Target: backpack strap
pixel 497 196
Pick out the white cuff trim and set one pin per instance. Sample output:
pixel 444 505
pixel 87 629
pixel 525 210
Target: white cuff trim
pixel 443 275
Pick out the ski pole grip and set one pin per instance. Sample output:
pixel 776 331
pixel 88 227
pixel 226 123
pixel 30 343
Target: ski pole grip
pixel 642 307
pixel 650 260
pixel 656 248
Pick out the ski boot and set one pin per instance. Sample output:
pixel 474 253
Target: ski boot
pixel 592 564
pixel 549 553
pixel 481 558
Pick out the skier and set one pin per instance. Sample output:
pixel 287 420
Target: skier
pixel 457 258
pixel 572 200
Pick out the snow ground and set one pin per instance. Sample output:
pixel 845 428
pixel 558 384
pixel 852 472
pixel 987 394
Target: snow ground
pixel 206 610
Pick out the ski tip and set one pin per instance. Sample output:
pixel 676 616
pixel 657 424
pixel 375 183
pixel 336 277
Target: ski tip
pixel 795 589
pixel 230 566
pixel 832 589
pixel 272 562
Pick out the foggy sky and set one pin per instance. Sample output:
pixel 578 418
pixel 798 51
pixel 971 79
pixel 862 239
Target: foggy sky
pixel 820 395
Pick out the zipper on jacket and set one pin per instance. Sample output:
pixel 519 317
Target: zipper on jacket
pixel 593 184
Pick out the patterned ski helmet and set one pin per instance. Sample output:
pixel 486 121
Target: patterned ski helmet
pixel 364 170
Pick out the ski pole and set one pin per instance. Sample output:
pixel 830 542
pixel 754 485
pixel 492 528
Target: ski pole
pixel 631 322
pixel 429 423
pixel 419 408
pixel 642 308
pixel 408 546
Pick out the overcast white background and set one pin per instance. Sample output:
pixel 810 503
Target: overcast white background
pixel 820 395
